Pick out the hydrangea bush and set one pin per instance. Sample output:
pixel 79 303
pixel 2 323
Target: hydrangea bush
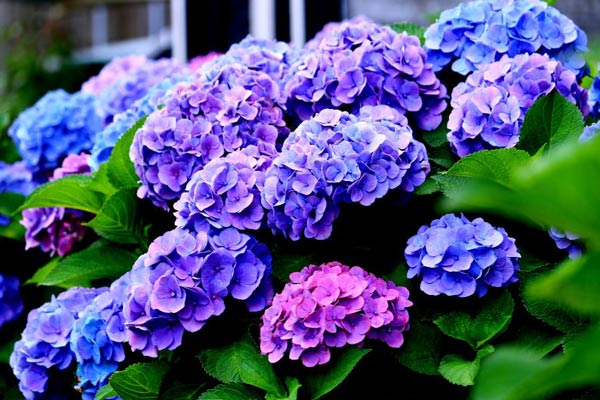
pixel 290 223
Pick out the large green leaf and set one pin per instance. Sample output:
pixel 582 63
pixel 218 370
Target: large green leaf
pixel 551 121
pixel 230 391
pixel 422 348
pixel 139 381
pixel 120 169
pixel 322 382
pixel 118 219
pixel 460 371
pixel 240 362
pixel 105 392
pixel 10 202
pixel 71 191
pixel 492 318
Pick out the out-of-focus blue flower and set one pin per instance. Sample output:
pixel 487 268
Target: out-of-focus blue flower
pixel 488 109
pixel 44 345
pixel 57 125
pixel 97 339
pixel 338 157
pixel 16 178
pixel 111 72
pixel 457 257
pixel 567 241
pixel 183 280
pixel 55 230
pixel 359 62
pixel 203 121
pixel 11 303
pixel 590 131
pixel 478 32
pixel 332 305
pixel 594 98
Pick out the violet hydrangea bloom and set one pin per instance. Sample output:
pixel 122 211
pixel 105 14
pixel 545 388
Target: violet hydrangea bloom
pixel 457 257
pixel 55 230
pixel 594 97
pixel 183 280
pixel 16 178
pixel 57 125
pixel 202 121
pixel 200 60
pixel 97 338
pixel 479 32
pixel 361 63
pixel 567 241
pixel 488 109
pixel 43 349
pixel 11 303
pixel 332 305
pixel 338 157
pixel 111 72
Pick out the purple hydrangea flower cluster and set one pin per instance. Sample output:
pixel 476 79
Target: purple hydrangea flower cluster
pixel 202 121
pixel 44 344
pixel 362 63
pixel 55 230
pixel 97 338
pixel 11 303
pixel 488 108
pixel 332 305
pixel 567 241
pixel 57 125
pixel 225 192
pixel 479 32
pixel 183 280
pixel 341 34
pixel 338 157
pixel 16 178
pixel 134 85
pixel 458 257
pixel 197 62
pixel 111 72
pixel 594 97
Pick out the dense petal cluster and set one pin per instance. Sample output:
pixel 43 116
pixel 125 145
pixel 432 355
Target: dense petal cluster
pixel 202 121
pixel 16 178
pixel 567 241
pixel 11 303
pixel 457 257
pixel 225 192
pixel 489 107
pixel 183 280
pixel 57 125
pixel 56 230
pixel 359 62
pixel 332 305
pixel 44 346
pixel 200 60
pixel 111 72
pixel 338 157
pixel 479 32
pixel 97 338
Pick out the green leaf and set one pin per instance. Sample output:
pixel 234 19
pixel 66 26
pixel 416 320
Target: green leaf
pixel 292 384
pixel 105 392
pixel 99 261
pixel 422 348
pixel 438 137
pixel 487 165
pixel 230 391
pixel 322 382
pixel 100 182
pixel 410 29
pixel 430 186
pixel 42 273
pixel 240 362
pixel 576 280
pixel 118 219
pixel 285 264
pixel 139 381
pixel 493 317
pixel 120 169
pixel 70 192
pixel 462 372
pixel 539 342
pixel 550 121
pixel 10 202
pixel 181 391
pixel 14 230
pixel 441 156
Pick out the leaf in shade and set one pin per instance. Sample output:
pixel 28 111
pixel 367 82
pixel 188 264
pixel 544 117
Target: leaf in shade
pixel 462 372
pixel 139 381
pixel 118 219
pixel 422 348
pixel 230 391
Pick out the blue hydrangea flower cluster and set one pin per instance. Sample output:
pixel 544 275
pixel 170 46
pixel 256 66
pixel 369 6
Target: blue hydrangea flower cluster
pixel 16 178
pixel 132 86
pixel 57 125
pixel 567 241
pixel 55 230
pixel 338 157
pixel 329 306
pixel 11 303
pixel 590 131
pixel 111 72
pixel 594 97
pixel 479 32
pixel 489 107
pixel 44 345
pixel 183 280
pixel 363 63
pixel 203 121
pixel 457 257
pixel 226 192
pixel 97 338
pixel 106 139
